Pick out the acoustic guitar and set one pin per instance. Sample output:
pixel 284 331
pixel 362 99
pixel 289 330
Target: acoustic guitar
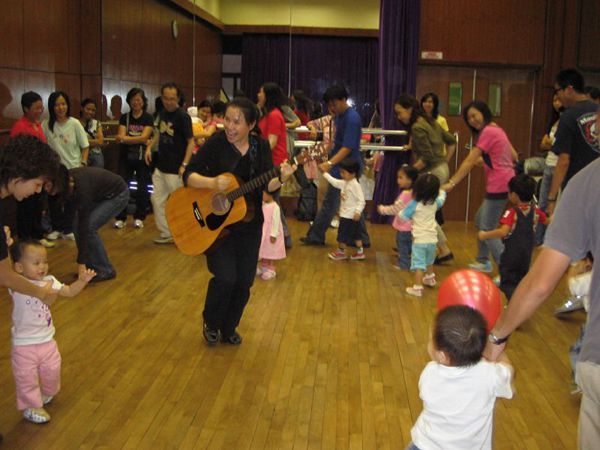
pixel 198 217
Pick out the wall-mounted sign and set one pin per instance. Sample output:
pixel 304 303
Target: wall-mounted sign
pixel 432 55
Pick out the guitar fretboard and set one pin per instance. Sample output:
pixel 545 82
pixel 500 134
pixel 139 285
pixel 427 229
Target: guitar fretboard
pixel 252 184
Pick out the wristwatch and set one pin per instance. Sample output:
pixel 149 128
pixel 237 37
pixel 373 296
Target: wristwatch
pixel 496 340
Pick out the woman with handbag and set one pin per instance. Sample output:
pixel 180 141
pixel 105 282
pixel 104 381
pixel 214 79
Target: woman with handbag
pixel 135 128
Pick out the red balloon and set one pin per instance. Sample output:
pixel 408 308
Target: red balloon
pixel 474 289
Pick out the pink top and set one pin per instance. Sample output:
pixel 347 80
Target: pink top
pixel 403 199
pixel 273 123
pixel 32 321
pixel 497 157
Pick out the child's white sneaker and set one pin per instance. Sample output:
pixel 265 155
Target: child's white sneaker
pixel 36 415
pixel 268 275
pixel 259 271
pixel 415 290
pixel 429 280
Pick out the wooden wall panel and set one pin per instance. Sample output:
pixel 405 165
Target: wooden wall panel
pixel 472 31
pixel 589 37
pixel 11 27
pixel 91 37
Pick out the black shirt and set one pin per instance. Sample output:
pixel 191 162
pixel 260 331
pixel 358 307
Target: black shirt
pixel 574 137
pixel 218 156
pixel 135 127
pixel 92 186
pixel 175 130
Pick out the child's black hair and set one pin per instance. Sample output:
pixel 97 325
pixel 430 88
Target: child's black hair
pixel 18 248
pixel 351 165
pixel 523 185
pixel 461 332
pixel 411 173
pixel 426 189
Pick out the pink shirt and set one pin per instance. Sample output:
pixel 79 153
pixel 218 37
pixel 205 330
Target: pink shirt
pixel 497 157
pixel 403 199
pixel 32 321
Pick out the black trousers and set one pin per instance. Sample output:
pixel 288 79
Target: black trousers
pixel 29 217
pixel 139 171
pixel 233 265
pixel 62 213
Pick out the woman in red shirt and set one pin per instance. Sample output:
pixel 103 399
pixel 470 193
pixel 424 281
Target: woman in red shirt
pixel 272 124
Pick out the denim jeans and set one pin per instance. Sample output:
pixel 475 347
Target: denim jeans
pixel 404 247
pixel 96 159
pixel 540 231
pixel 101 214
pixel 331 205
pixel 488 218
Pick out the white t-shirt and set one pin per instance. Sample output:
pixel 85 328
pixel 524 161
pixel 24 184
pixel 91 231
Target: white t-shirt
pixel 352 196
pixel 32 321
pixel 458 405
pixel 67 139
pixel 424 226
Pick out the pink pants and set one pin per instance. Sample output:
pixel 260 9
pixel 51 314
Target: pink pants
pixel 37 372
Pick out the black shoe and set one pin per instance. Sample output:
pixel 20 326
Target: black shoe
pixel 288 242
pixel 104 277
pixel 307 241
pixel 211 335
pixel 234 339
pixel 442 259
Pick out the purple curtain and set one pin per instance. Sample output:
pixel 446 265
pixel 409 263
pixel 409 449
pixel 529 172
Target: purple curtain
pixel 398 58
pixel 317 63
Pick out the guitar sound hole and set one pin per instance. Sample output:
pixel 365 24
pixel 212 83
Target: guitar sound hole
pixel 220 204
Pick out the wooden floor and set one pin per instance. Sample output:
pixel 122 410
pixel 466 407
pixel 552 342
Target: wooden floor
pixel 331 357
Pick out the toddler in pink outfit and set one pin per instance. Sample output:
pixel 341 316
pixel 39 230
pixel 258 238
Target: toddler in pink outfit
pixel 35 357
pixel 272 246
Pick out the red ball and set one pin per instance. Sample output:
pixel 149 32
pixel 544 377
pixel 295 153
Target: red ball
pixel 474 289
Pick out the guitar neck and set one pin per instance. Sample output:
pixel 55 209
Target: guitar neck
pixel 251 185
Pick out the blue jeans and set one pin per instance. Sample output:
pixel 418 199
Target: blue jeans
pixel 101 214
pixel 404 246
pixel 96 159
pixel 329 208
pixel 540 231
pixel 488 218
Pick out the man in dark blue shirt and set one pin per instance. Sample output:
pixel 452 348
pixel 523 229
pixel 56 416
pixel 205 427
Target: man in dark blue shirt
pixel 346 144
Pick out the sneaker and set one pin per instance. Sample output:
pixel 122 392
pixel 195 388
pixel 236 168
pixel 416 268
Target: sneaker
pixel 163 240
pixel 429 280
pixel 137 223
pixel 306 241
pixel 357 256
pixel 54 235
pixel 415 291
pixel 36 415
pixel 211 335
pixel 571 304
pixel 68 236
pixel 337 255
pixel 481 267
pixel 259 271
pixel 335 223
pixel 47 399
pixel 119 224
pixel 234 339
pixel 442 259
pixel 46 243
pixel 268 275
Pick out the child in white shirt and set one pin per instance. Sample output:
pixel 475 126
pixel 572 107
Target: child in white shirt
pixel 351 208
pixel 427 199
pixel 458 387
pixel 35 357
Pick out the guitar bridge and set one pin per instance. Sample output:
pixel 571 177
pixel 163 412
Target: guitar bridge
pixel 198 214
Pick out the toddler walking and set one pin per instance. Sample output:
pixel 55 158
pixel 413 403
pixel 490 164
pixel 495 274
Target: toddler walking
pixel 458 387
pixel 426 200
pixel 407 175
pixel 517 230
pixel 272 245
pixel 352 204
pixel 35 357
